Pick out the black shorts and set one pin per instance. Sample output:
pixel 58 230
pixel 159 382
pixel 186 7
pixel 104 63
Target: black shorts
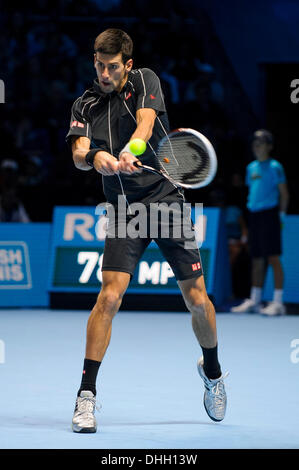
pixel 176 239
pixel 265 233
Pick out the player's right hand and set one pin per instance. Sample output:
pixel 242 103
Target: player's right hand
pixel 105 163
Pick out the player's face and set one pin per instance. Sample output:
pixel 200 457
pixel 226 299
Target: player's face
pixel 111 71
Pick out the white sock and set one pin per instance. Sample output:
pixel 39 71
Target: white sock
pixel 277 296
pixel 256 294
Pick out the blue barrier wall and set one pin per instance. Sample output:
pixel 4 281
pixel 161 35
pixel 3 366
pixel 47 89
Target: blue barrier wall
pixel 36 259
pixel 39 259
pixel 77 251
pixel 24 264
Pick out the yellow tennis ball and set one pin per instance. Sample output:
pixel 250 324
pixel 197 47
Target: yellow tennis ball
pixel 137 146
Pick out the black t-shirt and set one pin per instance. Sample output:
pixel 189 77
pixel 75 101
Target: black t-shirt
pixel 109 120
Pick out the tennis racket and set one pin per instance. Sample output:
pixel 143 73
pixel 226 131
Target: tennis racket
pixel 186 158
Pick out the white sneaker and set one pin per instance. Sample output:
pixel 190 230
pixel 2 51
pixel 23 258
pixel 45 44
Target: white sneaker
pixel 273 308
pixel 84 420
pixel 247 306
pixel 215 399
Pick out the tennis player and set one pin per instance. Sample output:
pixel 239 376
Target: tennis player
pixel 124 104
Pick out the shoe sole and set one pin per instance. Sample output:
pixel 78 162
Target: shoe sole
pixel 83 430
pixel 272 314
pixel 249 310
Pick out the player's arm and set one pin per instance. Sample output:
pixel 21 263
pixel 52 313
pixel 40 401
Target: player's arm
pixel 102 161
pixel 145 118
pixel 284 197
pixel 80 147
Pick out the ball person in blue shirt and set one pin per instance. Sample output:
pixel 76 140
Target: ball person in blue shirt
pixel 267 204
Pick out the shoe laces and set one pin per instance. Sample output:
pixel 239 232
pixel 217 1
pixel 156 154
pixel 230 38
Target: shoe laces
pixel 217 388
pixel 86 405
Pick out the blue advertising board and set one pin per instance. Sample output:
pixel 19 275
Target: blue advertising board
pixel 77 253
pixel 24 261
pixel 37 259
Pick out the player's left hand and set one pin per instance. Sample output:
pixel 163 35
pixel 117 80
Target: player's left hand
pixel 125 164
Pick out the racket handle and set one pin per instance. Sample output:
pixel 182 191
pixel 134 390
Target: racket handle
pixel 139 165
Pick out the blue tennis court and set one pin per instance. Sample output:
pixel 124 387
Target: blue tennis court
pixel 148 385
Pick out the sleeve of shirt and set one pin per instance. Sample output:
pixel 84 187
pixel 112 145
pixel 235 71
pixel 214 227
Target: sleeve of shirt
pixel 79 126
pixel 149 92
pixel 279 173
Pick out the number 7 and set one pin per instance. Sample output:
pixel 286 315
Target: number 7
pixel 91 259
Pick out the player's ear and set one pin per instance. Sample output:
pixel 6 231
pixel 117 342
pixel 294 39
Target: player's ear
pixel 129 65
pixel 94 59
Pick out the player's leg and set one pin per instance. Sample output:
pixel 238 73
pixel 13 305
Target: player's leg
pixel 204 326
pixel 99 325
pixel 121 255
pixel 203 321
pixel 182 254
pixel 97 340
pixel 180 249
pixel 100 320
pixel 120 258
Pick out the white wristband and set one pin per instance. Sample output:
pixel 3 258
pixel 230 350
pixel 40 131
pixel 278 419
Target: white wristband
pixel 126 149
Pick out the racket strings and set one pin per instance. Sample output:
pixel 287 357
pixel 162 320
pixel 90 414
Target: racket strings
pixel 184 159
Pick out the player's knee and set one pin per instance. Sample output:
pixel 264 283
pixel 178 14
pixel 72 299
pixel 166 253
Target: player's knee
pixel 198 304
pixel 109 300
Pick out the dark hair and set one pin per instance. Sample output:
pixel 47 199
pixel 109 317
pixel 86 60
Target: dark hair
pixel 263 134
pixel 112 41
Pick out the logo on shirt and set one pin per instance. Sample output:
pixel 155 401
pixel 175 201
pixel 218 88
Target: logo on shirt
pixel 77 124
pixel 255 176
pixel 128 96
pixel 152 97
pixel 195 266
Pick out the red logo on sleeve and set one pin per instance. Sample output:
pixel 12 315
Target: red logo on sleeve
pixel 77 124
pixel 128 96
pixel 152 97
